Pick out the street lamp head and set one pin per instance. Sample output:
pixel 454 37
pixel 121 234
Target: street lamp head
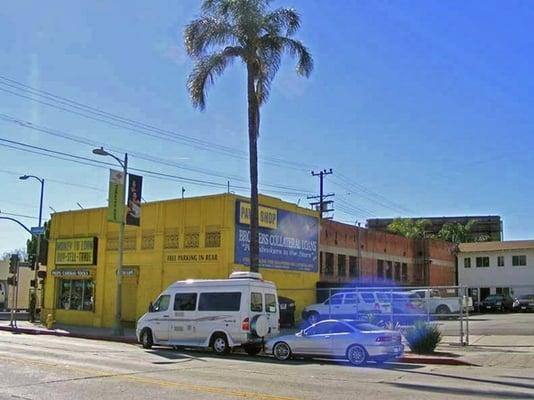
pixel 24 177
pixel 100 152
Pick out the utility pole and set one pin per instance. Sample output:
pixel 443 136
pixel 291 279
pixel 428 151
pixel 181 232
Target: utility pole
pixel 322 205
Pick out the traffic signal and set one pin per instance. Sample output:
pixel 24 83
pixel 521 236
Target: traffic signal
pixel 41 274
pixel 13 263
pixel 31 261
pixel 12 280
pixel 32 283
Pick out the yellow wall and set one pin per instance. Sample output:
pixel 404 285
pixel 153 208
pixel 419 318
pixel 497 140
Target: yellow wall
pixel 156 268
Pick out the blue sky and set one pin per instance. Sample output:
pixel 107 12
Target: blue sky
pixel 420 107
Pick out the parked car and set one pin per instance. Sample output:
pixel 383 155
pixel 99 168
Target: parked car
pixel 287 311
pixel 356 341
pixel 435 302
pixel 497 302
pixel 217 313
pixel 406 307
pixel 525 302
pixel 349 305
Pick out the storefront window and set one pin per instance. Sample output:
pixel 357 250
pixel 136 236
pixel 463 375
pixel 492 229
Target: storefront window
pixel 76 294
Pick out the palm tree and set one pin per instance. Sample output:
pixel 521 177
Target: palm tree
pixel 250 31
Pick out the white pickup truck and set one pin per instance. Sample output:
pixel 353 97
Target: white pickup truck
pixel 442 302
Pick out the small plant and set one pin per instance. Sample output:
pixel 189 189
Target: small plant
pixel 423 338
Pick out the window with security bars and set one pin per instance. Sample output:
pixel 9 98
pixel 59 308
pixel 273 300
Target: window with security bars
pixel 130 242
pixel 329 264
pixel 213 239
pixel 518 261
pixel 353 266
pixel 112 243
pixel 170 240
pixel 147 241
pixel 191 240
pixel 341 265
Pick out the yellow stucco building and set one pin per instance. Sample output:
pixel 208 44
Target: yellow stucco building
pixel 202 237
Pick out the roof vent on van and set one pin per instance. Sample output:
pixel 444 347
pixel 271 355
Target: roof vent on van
pixel 245 275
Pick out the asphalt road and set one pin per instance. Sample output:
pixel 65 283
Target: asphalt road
pixel 49 367
pixel 492 324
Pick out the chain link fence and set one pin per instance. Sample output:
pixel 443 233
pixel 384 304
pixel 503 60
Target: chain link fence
pixel 388 307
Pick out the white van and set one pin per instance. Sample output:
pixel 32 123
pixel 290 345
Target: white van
pixel 221 314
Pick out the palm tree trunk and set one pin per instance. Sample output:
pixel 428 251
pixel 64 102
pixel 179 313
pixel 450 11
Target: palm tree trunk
pixel 253 130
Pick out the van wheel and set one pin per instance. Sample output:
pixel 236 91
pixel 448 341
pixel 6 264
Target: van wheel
pixel 252 349
pixel 146 339
pixel 219 344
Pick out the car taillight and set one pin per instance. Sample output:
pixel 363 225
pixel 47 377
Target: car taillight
pixel 382 339
pixel 245 325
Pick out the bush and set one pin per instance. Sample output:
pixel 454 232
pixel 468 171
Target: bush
pixel 423 338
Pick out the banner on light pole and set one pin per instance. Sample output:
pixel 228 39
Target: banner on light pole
pixel 135 186
pixel 116 196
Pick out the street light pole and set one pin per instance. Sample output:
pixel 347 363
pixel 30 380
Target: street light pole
pixel 38 252
pixel 117 327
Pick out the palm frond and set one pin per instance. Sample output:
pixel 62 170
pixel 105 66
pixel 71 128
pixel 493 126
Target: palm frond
pixel 269 62
pixel 206 70
pixel 283 19
pixel 304 58
pixel 206 32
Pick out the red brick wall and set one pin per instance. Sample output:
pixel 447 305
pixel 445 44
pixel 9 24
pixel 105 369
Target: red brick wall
pixel 339 238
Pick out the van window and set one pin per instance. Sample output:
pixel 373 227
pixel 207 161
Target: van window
pixel 162 303
pixel 351 298
pixel 256 302
pixel 185 302
pixel 368 297
pixel 335 299
pixel 223 301
pixel 270 303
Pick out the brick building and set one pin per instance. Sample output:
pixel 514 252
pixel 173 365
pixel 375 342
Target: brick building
pixel 352 254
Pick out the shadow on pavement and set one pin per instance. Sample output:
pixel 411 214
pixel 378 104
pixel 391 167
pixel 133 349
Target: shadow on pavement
pixel 478 380
pixel 203 355
pixel 494 394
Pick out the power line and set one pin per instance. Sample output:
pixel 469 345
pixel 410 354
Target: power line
pixel 17 215
pixel 143 156
pixel 101 164
pixel 100 115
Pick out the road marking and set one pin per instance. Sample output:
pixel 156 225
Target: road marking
pixel 150 381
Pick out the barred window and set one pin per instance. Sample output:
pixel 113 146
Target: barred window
pixel 112 242
pixel 170 239
pixel 76 295
pixel 147 241
pixel 130 242
pixel 213 239
pixel 191 240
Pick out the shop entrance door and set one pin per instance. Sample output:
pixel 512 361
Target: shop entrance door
pixel 129 294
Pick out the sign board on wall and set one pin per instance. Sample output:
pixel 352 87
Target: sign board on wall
pixel 116 196
pixel 78 251
pixel 289 242
pixel 72 273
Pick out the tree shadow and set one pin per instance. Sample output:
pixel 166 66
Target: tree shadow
pixel 478 380
pixel 447 390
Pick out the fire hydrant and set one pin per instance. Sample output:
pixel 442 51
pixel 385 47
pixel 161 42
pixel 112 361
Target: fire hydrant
pixel 49 321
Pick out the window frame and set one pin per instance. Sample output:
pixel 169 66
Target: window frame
pixel 157 303
pixel 60 304
pixel 519 258
pixel 202 307
pixel 482 262
pixel 257 295
pixel 500 261
pixel 467 262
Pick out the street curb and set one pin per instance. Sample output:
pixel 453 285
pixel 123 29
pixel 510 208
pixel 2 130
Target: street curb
pixel 32 331
pixel 435 361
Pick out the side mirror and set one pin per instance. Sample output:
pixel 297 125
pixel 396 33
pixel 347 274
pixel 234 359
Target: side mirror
pixel 150 307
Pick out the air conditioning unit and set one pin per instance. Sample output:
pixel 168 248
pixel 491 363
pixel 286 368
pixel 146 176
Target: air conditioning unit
pixel 246 275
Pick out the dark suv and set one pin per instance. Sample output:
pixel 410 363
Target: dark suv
pixel 497 302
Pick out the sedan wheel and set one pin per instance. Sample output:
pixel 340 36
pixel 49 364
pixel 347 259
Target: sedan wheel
pixel 282 351
pixel 357 355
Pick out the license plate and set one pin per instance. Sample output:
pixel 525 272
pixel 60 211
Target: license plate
pixel 523 308
pixel 397 349
pixel 488 307
pixel 283 306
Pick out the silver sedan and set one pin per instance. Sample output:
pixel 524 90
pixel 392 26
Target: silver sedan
pixel 356 341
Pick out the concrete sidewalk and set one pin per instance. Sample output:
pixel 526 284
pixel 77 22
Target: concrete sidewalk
pixel 83 332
